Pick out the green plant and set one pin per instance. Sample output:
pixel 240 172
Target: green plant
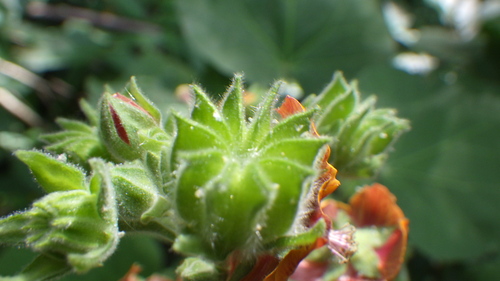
pixel 237 192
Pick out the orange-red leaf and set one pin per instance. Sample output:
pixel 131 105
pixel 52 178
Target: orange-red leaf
pixel 290 106
pixel 375 205
pixel 392 253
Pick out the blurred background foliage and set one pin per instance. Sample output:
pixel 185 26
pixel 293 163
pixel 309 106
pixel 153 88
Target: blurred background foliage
pixel 435 61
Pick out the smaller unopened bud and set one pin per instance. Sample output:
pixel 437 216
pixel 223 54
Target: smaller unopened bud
pixel 65 223
pixel 143 204
pixel 121 121
pixel 341 242
pixel 363 135
pixel 120 129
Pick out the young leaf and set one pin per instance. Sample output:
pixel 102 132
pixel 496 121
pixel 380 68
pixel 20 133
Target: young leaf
pixel 52 174
pixel 232 107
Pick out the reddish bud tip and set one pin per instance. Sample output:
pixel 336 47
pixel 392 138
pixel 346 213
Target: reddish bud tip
pixel 129 101
pixel 117 122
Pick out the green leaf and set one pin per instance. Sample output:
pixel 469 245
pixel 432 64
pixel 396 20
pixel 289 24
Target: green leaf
pixel 484 270
pixel 306 40
pixel 11 141
pixel 301 151
pixel 292 127
pixel 189 187
pixel 391 129
pixel 14 259
pixel 237 195
pixel 232 107
pixel 260 125
pixel 335 90
pixel 101 185
pixel 206 113
pixel 44 267
pixel 51 173
pixel 445 171
pixel 74 125
pixel 189 244
pixel 90 112
pixel 79 141
pixel 192 136
pixel 79 146
pixel 289 183
pixel 336 107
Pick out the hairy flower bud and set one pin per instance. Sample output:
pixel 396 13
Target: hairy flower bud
pixel 241 182
pixel 143 205
pixel 65 221
pixel 125 127
pixel 79 226
pixel 362 134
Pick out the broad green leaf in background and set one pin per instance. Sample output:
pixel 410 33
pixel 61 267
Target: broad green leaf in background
pixel 445 171
pixel 304 40
pixel 484 271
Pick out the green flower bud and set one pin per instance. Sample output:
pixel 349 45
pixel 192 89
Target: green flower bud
pixel 65 222
pixel 125 126
pixel 77 226
pixel 241 182
pixel 143 206
pixel 363 135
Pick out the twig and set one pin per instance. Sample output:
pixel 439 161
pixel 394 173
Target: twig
pixel 17 108
pixel 107 20
pixel 26 77
pixel 45 88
